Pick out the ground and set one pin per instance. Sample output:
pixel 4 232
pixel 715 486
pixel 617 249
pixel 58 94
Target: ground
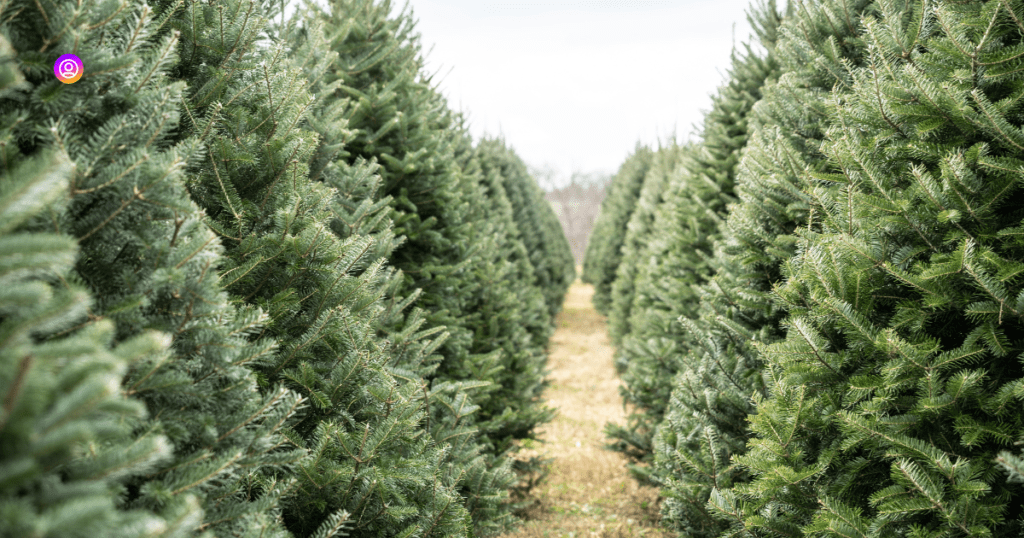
pixel 588 492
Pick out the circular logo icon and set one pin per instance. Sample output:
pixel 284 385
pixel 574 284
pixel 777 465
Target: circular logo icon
pixel 68 69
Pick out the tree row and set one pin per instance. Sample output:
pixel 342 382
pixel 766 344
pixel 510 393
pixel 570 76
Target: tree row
pixel 257 279
pixel 818 302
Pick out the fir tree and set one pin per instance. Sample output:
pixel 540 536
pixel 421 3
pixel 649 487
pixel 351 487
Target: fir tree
pixel 358 211
pixel 898 383
pixel 526 334
pixel 500 167
pixel 647 362
pixel 509 314
pixel 664 170
pixel 487 398
pixel 396 119
pixel 603 255
pixel 65 438
pixel 677 261
pixel 705 422
pixel 151 261
pixel 705 419
pixel 814 46
pixel 370 470
pixel 540 232
pixel 513 314
pixel 452 255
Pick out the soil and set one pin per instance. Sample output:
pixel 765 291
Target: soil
pixel 588 492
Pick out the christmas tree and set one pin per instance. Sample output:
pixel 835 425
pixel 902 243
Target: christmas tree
pixel 704 422
pixel 677 257
pixel 457 251
pixel 371 470
pixel 151 261
pixel 514 316
pixel 509 316
pixel 664 169
pixel 786 128
pixel 897 382
pixel 66 442
pixel 540 232
pixel 603 255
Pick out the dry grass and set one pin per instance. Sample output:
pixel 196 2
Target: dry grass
pixel 588 492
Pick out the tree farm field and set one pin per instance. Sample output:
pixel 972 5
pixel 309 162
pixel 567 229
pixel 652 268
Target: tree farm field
pixel 588 491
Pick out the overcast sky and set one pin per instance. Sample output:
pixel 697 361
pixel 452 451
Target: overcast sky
pixel 573 85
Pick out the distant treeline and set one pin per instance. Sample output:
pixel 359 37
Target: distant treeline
pixel 577 206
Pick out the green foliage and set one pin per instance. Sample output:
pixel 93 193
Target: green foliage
pixel 354 299
pixel 510 316
pixel 663 171
pixel 477 324
pixel 515 316
pixel 705 431
pixel 872 264
pixel 65 440
pixel 864 289
pixel 395 118
pixel 604 253
pixel 677 259
pixel 498 164
pixel 358 212
pixel 647 354
pixel 370 469
pixel 150 260
pixel 540 232
pixel 703 441
pixel 899 378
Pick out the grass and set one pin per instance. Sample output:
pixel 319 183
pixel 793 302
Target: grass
pixel 588 492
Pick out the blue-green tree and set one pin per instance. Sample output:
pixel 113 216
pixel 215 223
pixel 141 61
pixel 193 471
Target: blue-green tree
pixel 604 254
pixel 371 471
pixel 453 317
pixel 688 438
pixel 150 260
pixel 897 386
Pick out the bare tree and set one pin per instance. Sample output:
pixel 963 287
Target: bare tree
pixel 577 204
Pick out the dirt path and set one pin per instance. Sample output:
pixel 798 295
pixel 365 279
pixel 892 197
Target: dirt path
pixel 588 492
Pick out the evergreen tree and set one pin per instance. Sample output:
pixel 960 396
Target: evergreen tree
pixel 511 314
pixel 483 480
pixel 65 437
pixel 787 125
pixel 370 470
pixel 646 362
pixel 151 262
pixel 499 163
pixel 540 231
pixel 676 260
pixel 603 254
pixel 664 170
pixel 514 315
pixel 898 385
pixel 398 120
pixel 524 355
pixel 705 424
pixel 451 258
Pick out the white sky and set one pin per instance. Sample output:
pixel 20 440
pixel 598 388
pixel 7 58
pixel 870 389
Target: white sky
pixel 573 85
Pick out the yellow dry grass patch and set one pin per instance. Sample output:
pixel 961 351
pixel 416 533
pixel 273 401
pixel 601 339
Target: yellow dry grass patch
pixel 588 492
